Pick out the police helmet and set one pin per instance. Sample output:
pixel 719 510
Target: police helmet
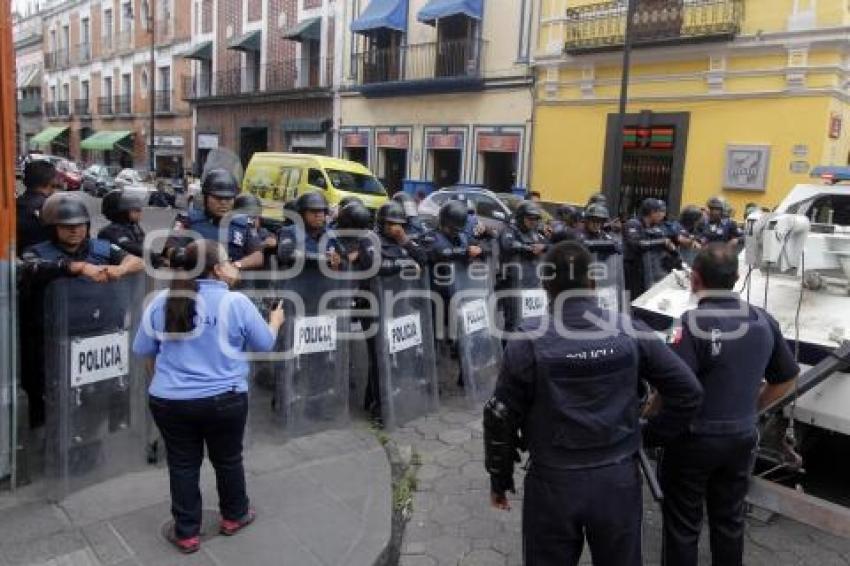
pixel 64 209
pixel 528 209
pixel 391 212
pixel 716 202
pixel 567 213
pixel 311 201
pixel 453 215
pixel 117 203
pixel 597 198
pixel 690 217
pixel 408 203
pixel 248 204
pixel 650 205
pixel 220 183
pixel 345 201
pixel 354 216
pixel 597 211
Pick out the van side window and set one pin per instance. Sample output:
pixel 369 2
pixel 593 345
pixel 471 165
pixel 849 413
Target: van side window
pixel 288 180
pixel 832 209
pixel 316 178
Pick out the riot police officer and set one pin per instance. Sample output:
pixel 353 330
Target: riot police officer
pixel 398 251
pixel 69 252
pixel 414 226
pixel 718 227
pixel 596 216
pixel 40 181
pixel 740 356
pixel 690 222
pixel 252 207
pixel 219 189
pixel 124 212
pixel 573 396
pixel 305 238
pixel 645 246
pixel 451 240
pixel 352 221
pixel 566 225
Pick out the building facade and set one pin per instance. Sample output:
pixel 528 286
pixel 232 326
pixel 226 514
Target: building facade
pixel 438 90
pixel 29 60
pixel 262 76
pixel 740 98
pixel 103 83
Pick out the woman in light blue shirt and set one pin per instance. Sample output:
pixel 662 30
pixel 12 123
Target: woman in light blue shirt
pixel 197 332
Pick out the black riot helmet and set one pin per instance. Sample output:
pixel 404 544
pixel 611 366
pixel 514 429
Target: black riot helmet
pixel 453 215
pixel 117 204
pixel 408 204
pixel 64 209
pixel 220 183
pixel 597 198
pixel 391 212
pixel 248 204
pixel 311 201
pixel 690 217
pixel 650 205
pixel 354 216
pixel 567 213
pixel 597 211
pixel 716 202
pixel 527 209
pixel 345 201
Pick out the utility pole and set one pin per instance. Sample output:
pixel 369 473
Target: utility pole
pixel 152 83
pixel 617 178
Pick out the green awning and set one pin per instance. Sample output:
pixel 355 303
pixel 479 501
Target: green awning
pixel 251 41
pixel 201 52
pixel 309 29
pixel 306 125
pixel 105 140
pixel 46 136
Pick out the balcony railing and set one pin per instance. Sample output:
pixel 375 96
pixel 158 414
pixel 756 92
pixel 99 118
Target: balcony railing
pixel 162 102
pixel 63 109
pixel 58 59
pixel 82 53
pixel 601 26
pixel 81 107
pixel 29 106
pixel 104 106
pixel 123 104
pixel 281 76
pixel 422 62
pixel 50 110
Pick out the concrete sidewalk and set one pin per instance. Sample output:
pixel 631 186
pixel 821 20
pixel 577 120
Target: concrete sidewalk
pixel 321 500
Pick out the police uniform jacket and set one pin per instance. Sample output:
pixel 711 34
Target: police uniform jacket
pixel 241 239
pixel 46 261
pixel 639 239
pixel 292 241
pixel 30 229
pixel 723 231
pixel 126 235
pixel 601 244
pixel 517 244
pixel 576 396
pixel 393 257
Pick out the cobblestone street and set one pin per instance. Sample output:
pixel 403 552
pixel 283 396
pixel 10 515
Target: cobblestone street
pixel 452 522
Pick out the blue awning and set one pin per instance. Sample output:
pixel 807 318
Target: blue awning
pixel 382 14
pixel 437 9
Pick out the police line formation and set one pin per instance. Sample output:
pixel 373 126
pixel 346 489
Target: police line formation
pixel 575 400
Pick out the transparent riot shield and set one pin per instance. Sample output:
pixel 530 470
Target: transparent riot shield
pixel 523 296
pixel 404 344
pixel 95 390
pixel 479 349
pixel 653 267
pixel 312 378
pixel 608 274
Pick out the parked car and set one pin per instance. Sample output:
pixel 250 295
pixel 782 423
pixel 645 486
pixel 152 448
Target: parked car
pixel 489 207
pixel 68 171
pixel 98 180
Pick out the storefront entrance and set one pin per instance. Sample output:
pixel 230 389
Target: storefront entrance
pixel 394 162
pixel 447 164
pixel 252 140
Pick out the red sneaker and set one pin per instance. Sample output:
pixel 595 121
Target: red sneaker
pixel 185 545
pixel 229 528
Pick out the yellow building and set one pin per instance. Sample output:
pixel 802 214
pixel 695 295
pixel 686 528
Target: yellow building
pixel 733 97
pixel 438 90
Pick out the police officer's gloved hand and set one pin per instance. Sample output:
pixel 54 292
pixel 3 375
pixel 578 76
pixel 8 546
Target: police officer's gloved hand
pixel 500 485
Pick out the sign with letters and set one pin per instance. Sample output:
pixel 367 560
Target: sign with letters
pixel 404 332
pixel 99 358
pixel 314 335
pixel 534 303
pixel 475 316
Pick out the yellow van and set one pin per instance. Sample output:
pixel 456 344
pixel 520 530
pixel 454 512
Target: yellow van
pixel 281 177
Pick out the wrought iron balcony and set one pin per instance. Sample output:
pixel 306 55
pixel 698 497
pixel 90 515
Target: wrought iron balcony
pixel 50 110
pixel 104 106
pixel 81 107
pixel 29 106
pixel 63 109
pixel 58 59
pixel 162 103
pixel 82 53
pixel 601 26
pixel 426 64
pixel 123 104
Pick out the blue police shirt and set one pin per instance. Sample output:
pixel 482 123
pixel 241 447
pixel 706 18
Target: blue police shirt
pixel 207 361
pixel 241 242
pixel 723 231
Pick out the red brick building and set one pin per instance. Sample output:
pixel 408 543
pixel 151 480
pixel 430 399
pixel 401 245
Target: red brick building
pixel 262 76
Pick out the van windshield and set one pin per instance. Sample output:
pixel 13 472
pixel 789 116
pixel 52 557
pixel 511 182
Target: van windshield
pixel 355 182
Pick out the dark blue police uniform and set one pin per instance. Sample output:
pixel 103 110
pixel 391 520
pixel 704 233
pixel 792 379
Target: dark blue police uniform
pixel 723 231
pixel 575 398
pixel 292 241
pixel 241 238
pixel 30 229
pixel 126 235
pixel 639 239
pixel 731 346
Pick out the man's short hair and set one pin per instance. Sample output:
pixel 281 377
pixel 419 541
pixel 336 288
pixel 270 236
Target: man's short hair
pixel 38 174
pixel 717 265
pixel 569 262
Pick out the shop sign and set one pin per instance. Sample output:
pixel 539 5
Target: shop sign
pixel 207 141
pixel 746 167
pixel 394 141
pixel 168 141
pixel 445 141
pixel 800 167
pixel 498 143
pixel 356 139
pixel 309 140
pixel 835 124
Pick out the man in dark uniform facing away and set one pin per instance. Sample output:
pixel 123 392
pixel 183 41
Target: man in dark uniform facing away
pixel 572 394
pixel 744 364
